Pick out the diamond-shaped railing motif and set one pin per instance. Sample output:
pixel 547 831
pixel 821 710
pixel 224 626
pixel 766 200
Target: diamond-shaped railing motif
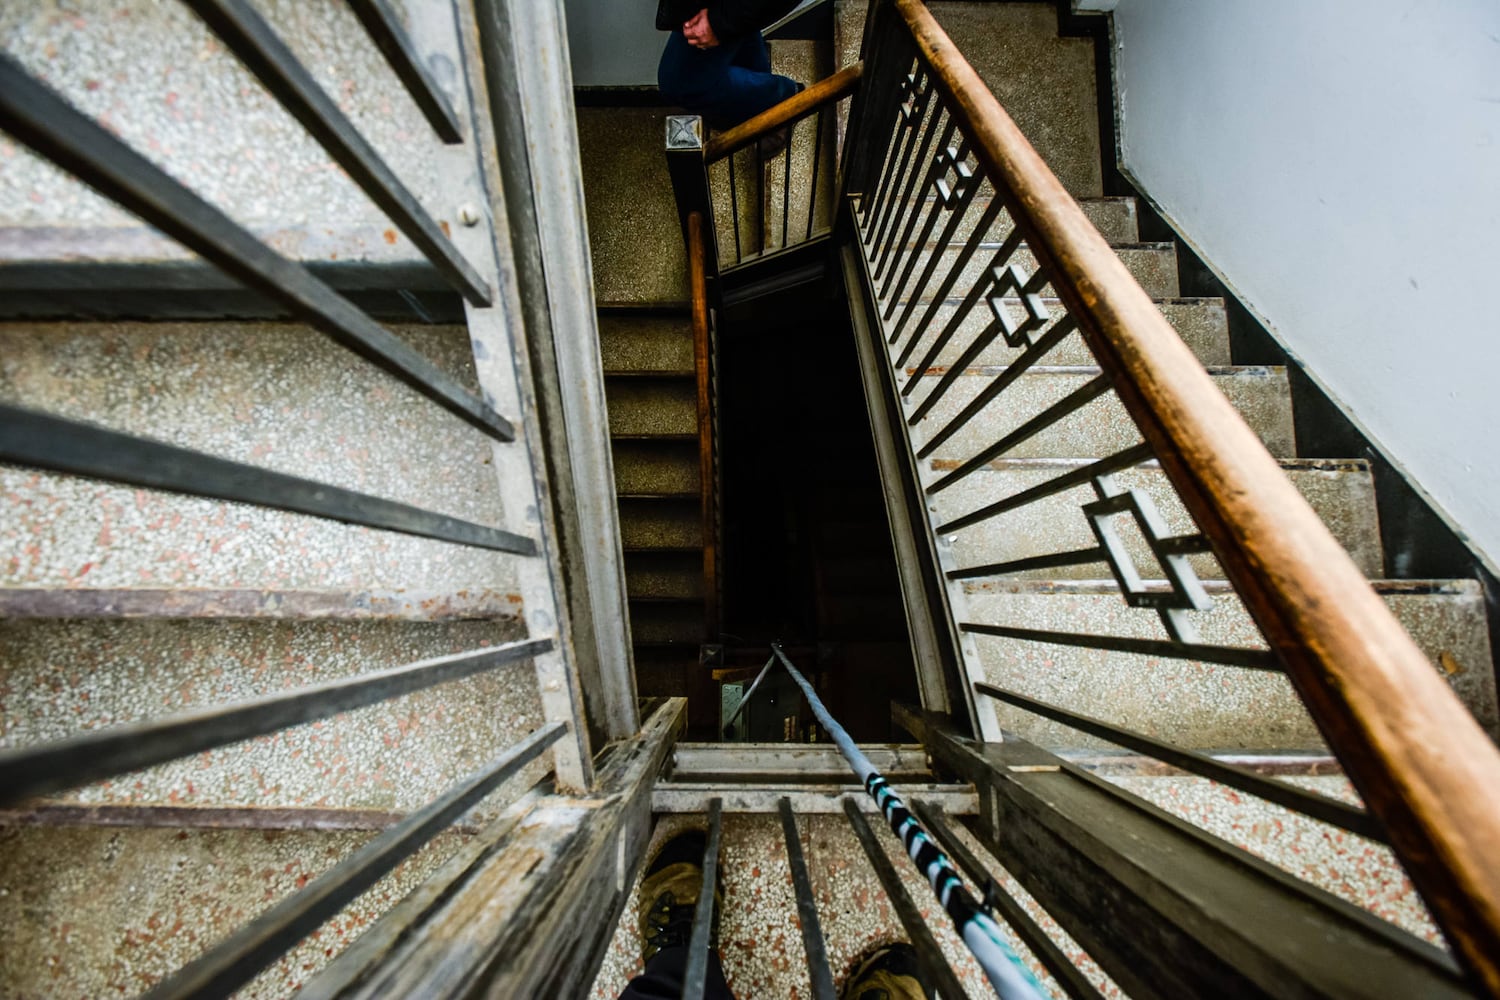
pixel 952 162
pixel 1012 280
pixel 1185 591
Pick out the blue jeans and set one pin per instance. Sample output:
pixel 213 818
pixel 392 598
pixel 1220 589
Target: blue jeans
pixel 726 84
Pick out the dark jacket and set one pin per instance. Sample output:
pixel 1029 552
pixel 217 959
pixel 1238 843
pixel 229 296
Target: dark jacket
pixel 730 18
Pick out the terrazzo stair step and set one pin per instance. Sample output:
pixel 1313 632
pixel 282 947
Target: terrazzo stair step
pixel 635 237
pixel 655 623
pixel 1190 703
pixel 1153 265
pixel 1201 323
pixel 645 341
pixel 1101 427
pixel 1045 82
pixel 662 466
pixel 661 523
pixel 62 675
pixel 279 396
pixel 135 904
pixel 1341 492
pixel 664 575
pixel 652 405
pixel 762 952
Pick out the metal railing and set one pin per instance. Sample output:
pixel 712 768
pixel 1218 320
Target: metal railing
pixel 974 261
pixel 469 257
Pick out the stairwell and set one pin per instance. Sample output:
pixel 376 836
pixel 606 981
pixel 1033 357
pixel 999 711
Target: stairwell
pixel 122 604
pixel 1048 84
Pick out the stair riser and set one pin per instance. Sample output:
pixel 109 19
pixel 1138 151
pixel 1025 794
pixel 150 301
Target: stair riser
pixel 1102 426
pixel 1344 500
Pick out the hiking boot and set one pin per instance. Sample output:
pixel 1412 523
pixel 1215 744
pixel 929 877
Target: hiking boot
pixel 669 895
pixel 888 973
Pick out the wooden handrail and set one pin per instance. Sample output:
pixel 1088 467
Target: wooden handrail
pixel 825 91
pixel 1422 764
pixel 697 256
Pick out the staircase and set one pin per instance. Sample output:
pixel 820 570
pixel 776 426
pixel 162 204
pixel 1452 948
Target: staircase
pixel 322 649
pixel 1252 719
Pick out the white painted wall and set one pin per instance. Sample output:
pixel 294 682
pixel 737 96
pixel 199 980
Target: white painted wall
pixel 1339 162
pixel 614 43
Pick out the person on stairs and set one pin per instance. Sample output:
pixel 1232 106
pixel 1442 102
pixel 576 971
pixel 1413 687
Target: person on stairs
pixel 668 899
pixel 716 63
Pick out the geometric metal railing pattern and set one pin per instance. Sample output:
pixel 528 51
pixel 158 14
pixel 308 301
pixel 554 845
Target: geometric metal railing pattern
pixel 39 118
pixel 974 273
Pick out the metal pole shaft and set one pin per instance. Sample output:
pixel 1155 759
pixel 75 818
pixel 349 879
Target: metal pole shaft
pixel 1001 965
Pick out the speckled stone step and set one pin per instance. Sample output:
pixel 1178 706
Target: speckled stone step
pixel 276 395
pixel 1100 427
pixel 664 466
pixel 1342 493
pixel 645 342
pixel 655 623
pixel 223 134
pixel 110 911
pixel 1190 703
pixel 1201 323
pixel 58 676
pixel 651 406
pixel 634 233
pixel 661 523
pixel 1045 83
pixel 1154 265
pixel 664 575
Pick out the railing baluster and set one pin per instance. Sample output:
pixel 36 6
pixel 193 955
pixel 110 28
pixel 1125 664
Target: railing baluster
pixel 1072 402
pixel 1134 455
pixel 905 246
pixel 48 124
pixel 818 972
pixel 1319 807
pixel 695 975
pixel 238 958
pixel 914 127
pixel 1068 975
pixel 938 972
pixel 47 442
pixel 78 760
pixel 786 179
pixel 975 296
pixel 899 150
pixel 734 209
pixel 812 189
pixel 1229 656
pixel 385 30
pixel 966 253
pixel 1004 380
pixel 956 203
pixel 1052 560
pixel 250 38
pixel 904 205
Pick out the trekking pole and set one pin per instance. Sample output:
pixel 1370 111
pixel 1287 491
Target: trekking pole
pixel 1001 965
